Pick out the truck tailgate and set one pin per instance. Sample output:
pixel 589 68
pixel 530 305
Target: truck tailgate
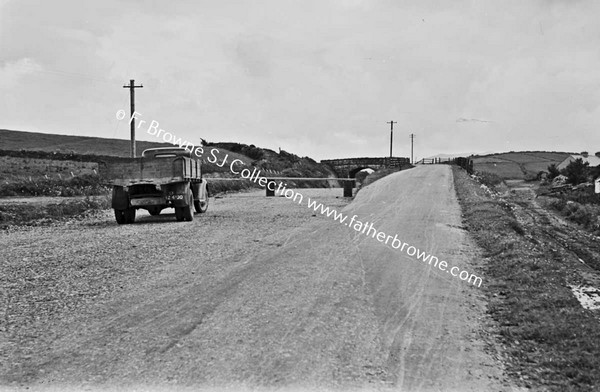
pixel 151 171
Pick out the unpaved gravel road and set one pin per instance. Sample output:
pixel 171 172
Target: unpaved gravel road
pixel 258 293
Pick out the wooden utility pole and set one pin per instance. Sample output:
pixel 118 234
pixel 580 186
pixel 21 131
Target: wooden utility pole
pixel 132 88
pixel 412 139
pixel 391 136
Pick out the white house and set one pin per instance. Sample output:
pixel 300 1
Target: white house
pixel 592 160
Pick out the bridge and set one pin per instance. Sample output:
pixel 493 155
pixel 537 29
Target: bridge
pixel 348 167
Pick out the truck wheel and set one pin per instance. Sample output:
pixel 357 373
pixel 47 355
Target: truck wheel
pixel 125 216
pixel 188 211
pixel 120 217
pixel 202 205
pixel 154 211
pixel 179 213
pixel 185 213
pixel 130 215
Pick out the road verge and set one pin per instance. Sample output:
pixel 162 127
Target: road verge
pixel 547 339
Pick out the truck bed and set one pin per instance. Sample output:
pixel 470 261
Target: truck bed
pixel 151 171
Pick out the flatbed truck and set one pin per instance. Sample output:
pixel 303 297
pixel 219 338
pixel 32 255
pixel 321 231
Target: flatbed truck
pixel 166 177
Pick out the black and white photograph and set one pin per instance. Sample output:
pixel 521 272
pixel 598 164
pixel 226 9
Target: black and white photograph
pixel 299 195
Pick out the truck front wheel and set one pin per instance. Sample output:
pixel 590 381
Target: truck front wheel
pixel 202 205
pixel 154 211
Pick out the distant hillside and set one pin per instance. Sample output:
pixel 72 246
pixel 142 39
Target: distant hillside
pixel 34 141
pixel 36 149
pixel 518 165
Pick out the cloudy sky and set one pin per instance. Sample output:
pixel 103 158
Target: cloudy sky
pixel 315 77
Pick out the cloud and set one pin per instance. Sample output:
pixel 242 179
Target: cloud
pixel 12 72
pixel 462 119
pixel 318 77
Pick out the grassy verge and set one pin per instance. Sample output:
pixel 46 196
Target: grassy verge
pixel 19 215
pixel 86 185
pixel 549 341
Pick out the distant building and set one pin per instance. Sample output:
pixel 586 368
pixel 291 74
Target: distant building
pixel 592 160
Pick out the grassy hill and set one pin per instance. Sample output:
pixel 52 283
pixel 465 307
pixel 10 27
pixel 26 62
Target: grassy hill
pixel 38 164
pixel 523 165
pixel 34 141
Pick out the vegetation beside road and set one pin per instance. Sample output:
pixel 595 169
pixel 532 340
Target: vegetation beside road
pixel 549 341
pixel 578 202
pixel 586 212
pixel 44 213
pixel 86 185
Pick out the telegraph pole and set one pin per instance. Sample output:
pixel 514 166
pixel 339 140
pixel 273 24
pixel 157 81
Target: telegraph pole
pixel 412 139
pixel 391 136
pixel 132 88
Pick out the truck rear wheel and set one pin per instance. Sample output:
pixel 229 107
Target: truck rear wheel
pixel 185 213
pixel 125 216
pixel 179 213
pixel 188 211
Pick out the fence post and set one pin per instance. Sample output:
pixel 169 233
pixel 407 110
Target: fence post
pixel 348 185
pixel 269 191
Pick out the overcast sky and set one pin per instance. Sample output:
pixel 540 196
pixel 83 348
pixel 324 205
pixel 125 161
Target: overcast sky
pixel 317 78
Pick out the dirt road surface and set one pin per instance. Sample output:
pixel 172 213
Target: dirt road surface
pixel 258 293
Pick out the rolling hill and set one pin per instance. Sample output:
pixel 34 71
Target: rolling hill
pixel 31 154
pixel 35 141
pixel 523 165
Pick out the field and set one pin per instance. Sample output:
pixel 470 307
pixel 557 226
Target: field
pixel 15 167
pixel 34 141
pixel 523 165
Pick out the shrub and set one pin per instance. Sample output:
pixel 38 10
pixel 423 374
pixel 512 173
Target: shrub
pixel 585 215
pixel 558 204
pixel 553 171
pixel 489 179
pixel 250 151
pixel 576 171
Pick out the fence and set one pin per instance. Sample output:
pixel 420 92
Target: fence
pixel 465 163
